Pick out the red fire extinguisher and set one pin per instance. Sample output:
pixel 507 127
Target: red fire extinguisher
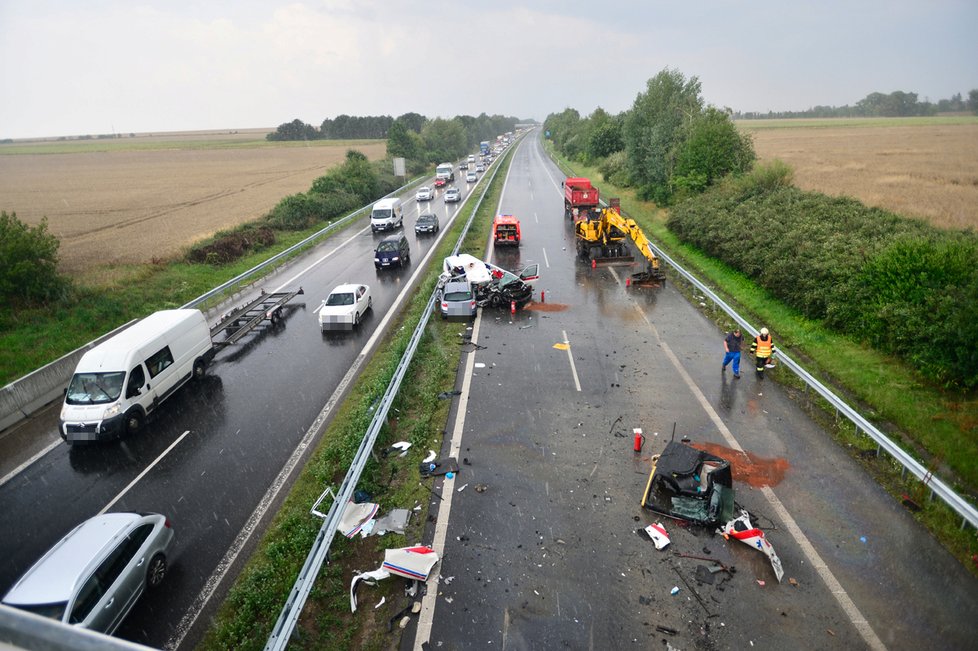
pixel 639 439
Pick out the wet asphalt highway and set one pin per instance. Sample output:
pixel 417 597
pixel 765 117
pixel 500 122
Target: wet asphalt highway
pixel 548 555
pixel 243 423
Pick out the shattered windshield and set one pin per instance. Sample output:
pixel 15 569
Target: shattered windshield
pixel 344 298
pixel 95 388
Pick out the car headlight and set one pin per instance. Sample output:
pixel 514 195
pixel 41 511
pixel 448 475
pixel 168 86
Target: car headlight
pixel 376 259
pixel 395 258
pixel 114 410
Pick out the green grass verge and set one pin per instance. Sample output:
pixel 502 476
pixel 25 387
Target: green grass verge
pixel 809 123
pixel 253 604
pixel 31 338
pixel 939 428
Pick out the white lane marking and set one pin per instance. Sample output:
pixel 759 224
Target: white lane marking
pixel 845 602
pixel 320 260
pixel 570 356
pixel 143 473
pixel 427 616
pixel 535 218
pixel 16 471
pixel 546 260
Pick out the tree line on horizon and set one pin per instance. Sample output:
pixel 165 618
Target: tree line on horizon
pixel 877 105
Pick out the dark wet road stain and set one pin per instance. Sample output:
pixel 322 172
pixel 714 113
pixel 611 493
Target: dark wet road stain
pixel 546 307
pixel 748 467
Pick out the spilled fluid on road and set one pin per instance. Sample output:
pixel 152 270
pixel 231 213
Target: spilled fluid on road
pixel 748 467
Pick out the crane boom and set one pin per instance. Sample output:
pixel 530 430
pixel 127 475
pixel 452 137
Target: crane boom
pixel 602 237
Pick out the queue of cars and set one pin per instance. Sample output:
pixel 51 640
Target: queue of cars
pixel 95 574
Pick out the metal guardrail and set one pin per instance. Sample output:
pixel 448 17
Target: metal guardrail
pixel 967 511
pixel 289 616
pixel 962 507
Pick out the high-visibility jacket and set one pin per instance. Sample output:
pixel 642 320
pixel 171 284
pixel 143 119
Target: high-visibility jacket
pixel 763 347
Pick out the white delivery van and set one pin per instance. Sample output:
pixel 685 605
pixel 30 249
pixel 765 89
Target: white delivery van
pixel 121 380
pixel 445 172
pixel 386 215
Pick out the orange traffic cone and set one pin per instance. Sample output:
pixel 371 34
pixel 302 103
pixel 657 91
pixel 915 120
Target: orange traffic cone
pixel 594 264
pixel 628 282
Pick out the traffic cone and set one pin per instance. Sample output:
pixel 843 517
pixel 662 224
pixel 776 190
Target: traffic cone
pixel 543 296
pixel 512 307
pixel 628 282
pixel 594 264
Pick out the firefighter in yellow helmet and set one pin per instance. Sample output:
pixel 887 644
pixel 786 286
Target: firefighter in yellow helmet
pixel 762 348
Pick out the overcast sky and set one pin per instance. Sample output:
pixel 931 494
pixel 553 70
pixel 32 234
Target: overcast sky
pixel 71 67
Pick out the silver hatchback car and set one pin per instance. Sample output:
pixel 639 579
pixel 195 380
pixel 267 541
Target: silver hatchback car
pixel 457 299
pixel 95 574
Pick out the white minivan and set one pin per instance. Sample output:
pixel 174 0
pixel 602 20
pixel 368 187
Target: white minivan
pixel 386 215
pixel 121 380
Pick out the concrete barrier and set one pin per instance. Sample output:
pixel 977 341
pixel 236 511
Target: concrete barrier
pixel 23 397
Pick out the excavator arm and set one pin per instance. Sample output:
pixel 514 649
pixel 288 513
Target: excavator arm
pixel 626 225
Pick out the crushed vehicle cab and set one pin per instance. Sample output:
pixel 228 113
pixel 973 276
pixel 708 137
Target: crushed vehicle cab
pixel 690 484
pixel 493 285
pixel 506 230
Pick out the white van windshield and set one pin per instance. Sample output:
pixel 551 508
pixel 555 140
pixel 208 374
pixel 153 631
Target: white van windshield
pixel 381 213
pixel 95 388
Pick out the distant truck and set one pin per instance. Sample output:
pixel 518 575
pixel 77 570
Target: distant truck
pixel 445 173
pixel 580 198
pixel 484 147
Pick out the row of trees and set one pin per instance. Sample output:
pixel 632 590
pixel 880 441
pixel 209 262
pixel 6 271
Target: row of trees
pixel 888 105
pixel 669 145
pixel 433 135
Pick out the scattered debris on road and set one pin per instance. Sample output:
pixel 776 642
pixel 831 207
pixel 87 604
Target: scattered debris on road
pixel 690 484
pixel 658 535
pixel 740 528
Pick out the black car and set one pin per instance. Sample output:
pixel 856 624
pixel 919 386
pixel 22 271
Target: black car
pixel 427 223
pixel 392 251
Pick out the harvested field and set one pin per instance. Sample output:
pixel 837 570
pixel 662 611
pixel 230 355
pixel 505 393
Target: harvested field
pixel 917 169
pixel 135 200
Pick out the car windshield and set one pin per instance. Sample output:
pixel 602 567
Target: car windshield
pixel 463 295
pixel 340 298
pixel 381 214
pixel 53 611
pixel 95 388
pixel 426 219
pixel 386 247
pixel 507 278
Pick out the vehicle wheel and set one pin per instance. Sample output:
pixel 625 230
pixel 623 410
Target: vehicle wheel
pixel 134 421
pixel 200 369
pixel 276 316
pixel 370 303
pixel 356 318
pixel 156 571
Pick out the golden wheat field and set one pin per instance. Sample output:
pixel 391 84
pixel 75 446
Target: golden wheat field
pixel 130 201
pixel 917 169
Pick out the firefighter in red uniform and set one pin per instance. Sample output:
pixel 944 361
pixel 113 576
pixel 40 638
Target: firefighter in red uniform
pixel 762 348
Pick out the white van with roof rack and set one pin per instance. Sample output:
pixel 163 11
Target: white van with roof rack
pixel 123 379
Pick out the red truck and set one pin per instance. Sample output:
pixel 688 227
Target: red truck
pixel 580 198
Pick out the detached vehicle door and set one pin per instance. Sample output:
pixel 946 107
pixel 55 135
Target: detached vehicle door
pixel 530 273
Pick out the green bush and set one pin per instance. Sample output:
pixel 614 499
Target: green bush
pixel 228 246
pixel 614 169
pixel 900 285
pixel 28 262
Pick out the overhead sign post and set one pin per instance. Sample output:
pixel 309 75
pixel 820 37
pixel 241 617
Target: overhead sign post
pixel 399 169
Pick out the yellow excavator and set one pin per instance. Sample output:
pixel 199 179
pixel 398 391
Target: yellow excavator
pixel 602 237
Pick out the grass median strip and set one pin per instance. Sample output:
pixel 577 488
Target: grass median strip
pixel 418 416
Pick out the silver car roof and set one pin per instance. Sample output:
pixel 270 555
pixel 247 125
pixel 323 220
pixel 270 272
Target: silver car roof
pixel 53 578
